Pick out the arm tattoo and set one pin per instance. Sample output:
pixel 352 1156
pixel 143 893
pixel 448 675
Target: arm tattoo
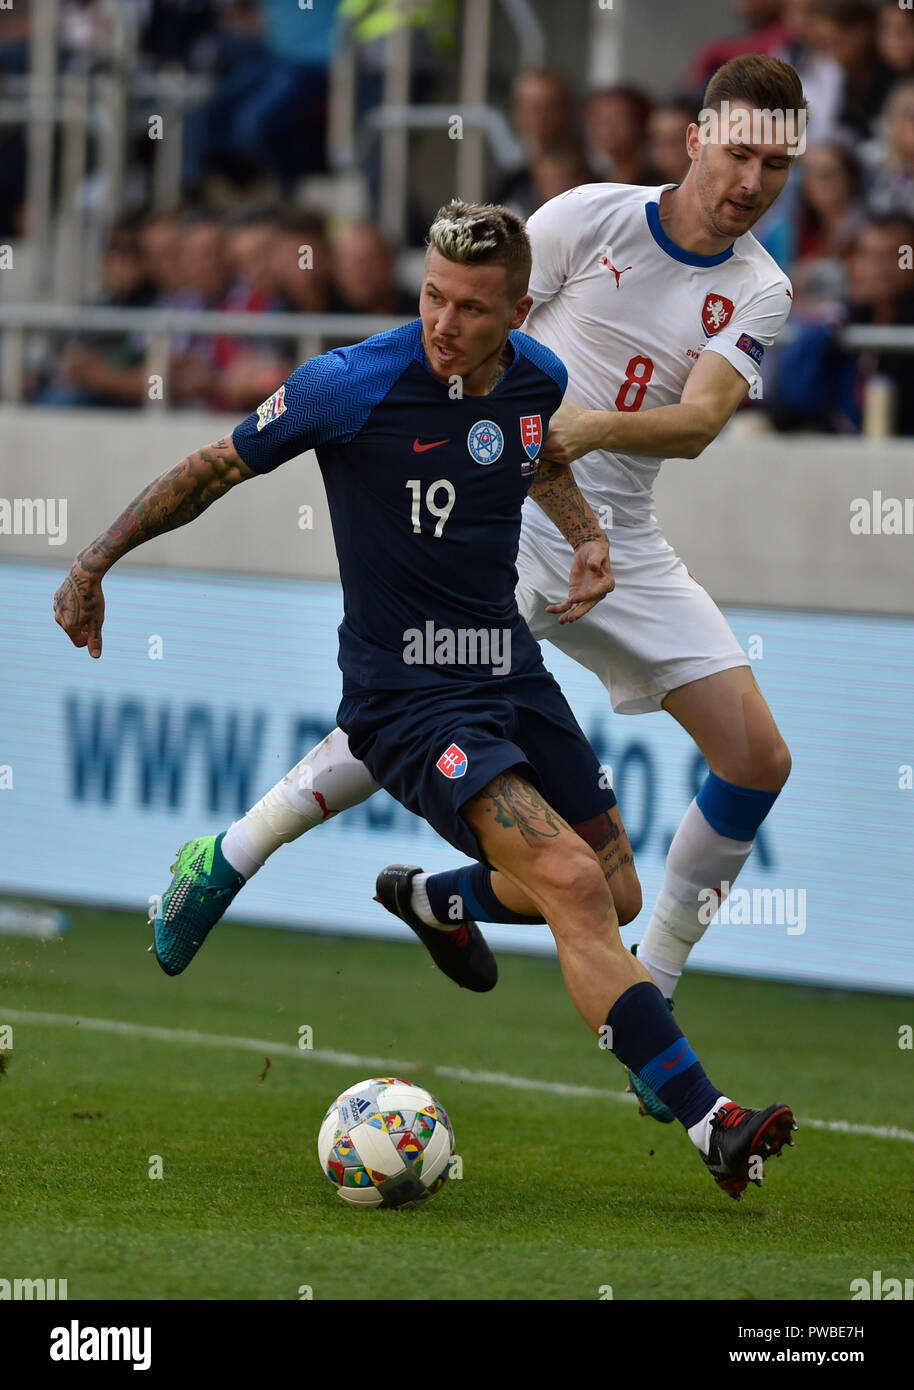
pixel 170 501
pixel 517 805
pixel 565 505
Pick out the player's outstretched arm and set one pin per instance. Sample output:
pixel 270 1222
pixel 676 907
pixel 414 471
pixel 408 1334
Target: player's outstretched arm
pixel 712 392
pixel 172 500
pixel 567 508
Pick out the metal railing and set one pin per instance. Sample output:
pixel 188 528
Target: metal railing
pixel 309 332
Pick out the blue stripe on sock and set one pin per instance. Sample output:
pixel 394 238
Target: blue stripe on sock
pixel 736 812
pixel 644 1035
pixel 674 1060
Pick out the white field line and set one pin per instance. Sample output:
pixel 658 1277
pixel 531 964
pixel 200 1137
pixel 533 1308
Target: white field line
pixel 383 1066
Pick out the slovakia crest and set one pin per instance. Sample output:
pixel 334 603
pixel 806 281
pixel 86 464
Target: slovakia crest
pixel 485 441
pixel 453 762
pixel 531 435
pixel 716 313
pixel 272 409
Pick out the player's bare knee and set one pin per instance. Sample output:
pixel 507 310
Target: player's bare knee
pixel 571 876
pixel 769 766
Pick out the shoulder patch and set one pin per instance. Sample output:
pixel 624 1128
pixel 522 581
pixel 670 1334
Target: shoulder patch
pixel 272 408
pixel 751 348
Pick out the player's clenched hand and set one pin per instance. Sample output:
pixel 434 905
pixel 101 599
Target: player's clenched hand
pixel 571 434
pixel 591 579
pixel 79 608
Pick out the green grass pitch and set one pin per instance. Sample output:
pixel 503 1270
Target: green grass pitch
pixel 561 1195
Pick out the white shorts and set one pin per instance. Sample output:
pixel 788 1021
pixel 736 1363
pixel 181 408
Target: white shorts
pixel 657 630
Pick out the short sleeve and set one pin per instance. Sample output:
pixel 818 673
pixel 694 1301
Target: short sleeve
pixel 315 405
pixel 550 230
pixel 752 329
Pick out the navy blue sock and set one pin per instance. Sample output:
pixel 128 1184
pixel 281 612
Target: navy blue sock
pixel 645 1037
pixel 472 884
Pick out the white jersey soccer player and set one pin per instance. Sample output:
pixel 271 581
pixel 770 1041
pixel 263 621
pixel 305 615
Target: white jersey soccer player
pixel 661 304
pixel 630 313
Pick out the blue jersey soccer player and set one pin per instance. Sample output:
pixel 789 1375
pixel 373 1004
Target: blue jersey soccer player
pixel 445 695
pixel 661 303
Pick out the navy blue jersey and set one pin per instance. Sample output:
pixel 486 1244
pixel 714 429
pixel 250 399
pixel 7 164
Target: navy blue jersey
pixel 425 495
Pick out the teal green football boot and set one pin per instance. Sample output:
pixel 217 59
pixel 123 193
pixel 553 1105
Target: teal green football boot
pixel 649 1103
pixel 203 885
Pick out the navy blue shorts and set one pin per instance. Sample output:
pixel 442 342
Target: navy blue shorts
pixel 435 748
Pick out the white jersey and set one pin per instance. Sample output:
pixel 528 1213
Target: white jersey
pixel 630 312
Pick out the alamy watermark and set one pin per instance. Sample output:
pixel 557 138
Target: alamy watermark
pixel 747 126
pixel 34 516
pixel 756 907
pixel 81 1343
pixel 882 516
pixel 881 1288
pixel 27 1289
pixel 462 646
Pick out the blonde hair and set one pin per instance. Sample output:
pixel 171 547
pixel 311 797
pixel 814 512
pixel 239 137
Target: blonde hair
pixel 483 234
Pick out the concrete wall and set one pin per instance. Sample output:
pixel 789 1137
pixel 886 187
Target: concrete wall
pixel 760 521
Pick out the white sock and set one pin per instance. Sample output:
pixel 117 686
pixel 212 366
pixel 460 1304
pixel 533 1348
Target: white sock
pixel 699 859
pixel 326 781
pixel 422 907
pixel 419 901
pixel 700 1133
pixel 661 972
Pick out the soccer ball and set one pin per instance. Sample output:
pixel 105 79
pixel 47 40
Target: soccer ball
pixel 386 1143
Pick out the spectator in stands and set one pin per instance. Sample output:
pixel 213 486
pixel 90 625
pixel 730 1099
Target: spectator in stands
pixel 219 268
pixel 895 38
pixel 616 121
pixel 544 113
pixel 543 109
pixel 160 238
pixel 848 29
pixel 15 30
pixel 247 370
pixel 180 33
pixel 202 282
pixel 108 369
pixel 203 268
pixel 819 384
pixel 364 274
pixel 301 264
pixel 555 171
pixel 666 140
pixel 764 32
pixel 550 173
pixel 251 237
pixel 892 178
pixel 268 114
pixel 830 214
pixel 822 78
pixel 882 293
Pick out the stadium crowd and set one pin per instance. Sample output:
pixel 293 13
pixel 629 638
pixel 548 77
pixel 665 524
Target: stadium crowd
pixel 837 230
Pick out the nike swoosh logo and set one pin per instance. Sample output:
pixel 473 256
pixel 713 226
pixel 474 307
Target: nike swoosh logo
pixel 421 448
pixel 668 1066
